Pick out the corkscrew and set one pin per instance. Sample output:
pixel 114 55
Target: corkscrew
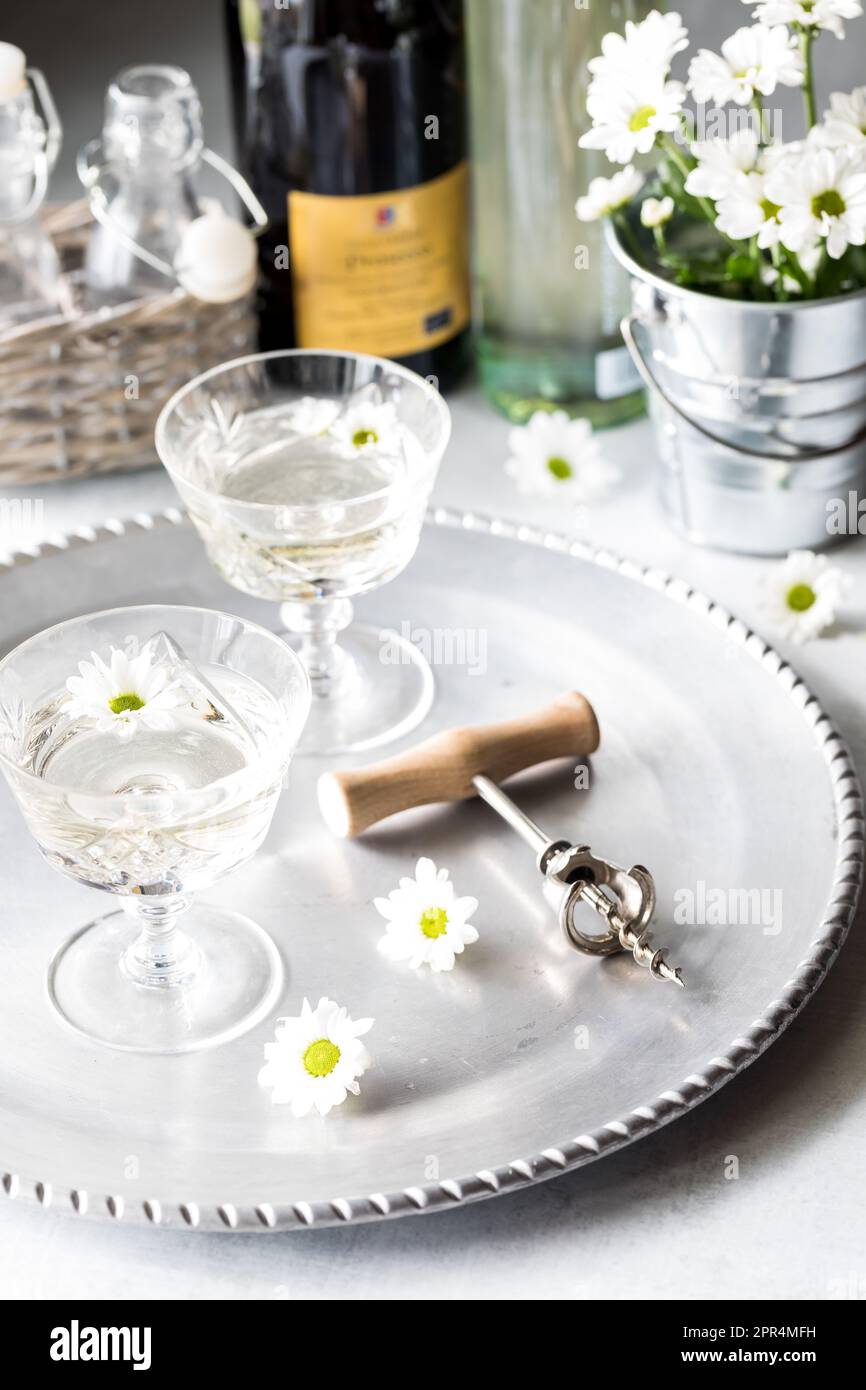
pixel 466 762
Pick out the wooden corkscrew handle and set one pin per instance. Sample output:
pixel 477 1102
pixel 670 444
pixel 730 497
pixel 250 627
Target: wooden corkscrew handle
pixel 442 768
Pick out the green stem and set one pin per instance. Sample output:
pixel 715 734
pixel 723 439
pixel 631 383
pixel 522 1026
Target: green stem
pixel 672 149
pixel 627 235
pixel 779 286
pixel 792 267
pixel 819 269
pixel 669 145
pixel 757 282
pixel 808 79
pixel 762 120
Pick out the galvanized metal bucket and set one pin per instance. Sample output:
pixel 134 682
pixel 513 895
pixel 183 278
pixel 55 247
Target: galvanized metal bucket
pixel 759 409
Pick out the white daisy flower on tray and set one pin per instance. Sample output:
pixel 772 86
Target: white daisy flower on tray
pixel 809 14
pixel 821 195
pixel 801 596
pixel 125 694
pixel 555 456
pixel 316 1058
pixel 427 923
pixel 605 196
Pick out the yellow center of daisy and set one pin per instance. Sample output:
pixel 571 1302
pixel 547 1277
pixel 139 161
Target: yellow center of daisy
pixel 800 597
pixel 770 210
pixel 830 202
pixel 560 468
pixel 641 118
pixel 433 922
pixel 363 437
pixel 121 703
pixel 321 1057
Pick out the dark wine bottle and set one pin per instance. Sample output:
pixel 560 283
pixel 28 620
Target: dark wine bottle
pixel 351 118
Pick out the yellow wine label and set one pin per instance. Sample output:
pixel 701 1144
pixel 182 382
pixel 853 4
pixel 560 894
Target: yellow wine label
pixel 386 273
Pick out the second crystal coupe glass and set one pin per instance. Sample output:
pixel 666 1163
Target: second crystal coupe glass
pixel 307 475
pixel 147 748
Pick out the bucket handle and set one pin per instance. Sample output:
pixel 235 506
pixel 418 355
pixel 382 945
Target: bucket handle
pixel 652 383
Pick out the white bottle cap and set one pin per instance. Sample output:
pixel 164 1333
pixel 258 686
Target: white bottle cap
pixel 13 68
pixel 216 260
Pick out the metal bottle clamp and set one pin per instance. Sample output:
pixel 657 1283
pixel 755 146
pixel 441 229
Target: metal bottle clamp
pixel 91 167
pixel 45 157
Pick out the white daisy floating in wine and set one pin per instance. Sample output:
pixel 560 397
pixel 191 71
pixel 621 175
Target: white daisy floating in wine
pixel 152 773
pixel 307 475
pixel 125 693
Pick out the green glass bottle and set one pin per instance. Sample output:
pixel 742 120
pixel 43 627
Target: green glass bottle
pixel 549 296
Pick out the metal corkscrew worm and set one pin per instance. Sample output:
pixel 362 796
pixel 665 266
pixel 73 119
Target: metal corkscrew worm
pixel 467 762
pixel 574 875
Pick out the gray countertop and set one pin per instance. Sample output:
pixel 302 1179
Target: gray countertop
pixel 659 1218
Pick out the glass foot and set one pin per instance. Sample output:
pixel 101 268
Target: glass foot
pixel 228 977
pixel 378 687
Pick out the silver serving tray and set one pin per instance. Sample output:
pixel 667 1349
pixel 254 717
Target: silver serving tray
pixel 716 766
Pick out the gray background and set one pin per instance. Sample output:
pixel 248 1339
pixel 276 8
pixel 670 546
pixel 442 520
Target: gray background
pixel 81 44
pixel 658 1220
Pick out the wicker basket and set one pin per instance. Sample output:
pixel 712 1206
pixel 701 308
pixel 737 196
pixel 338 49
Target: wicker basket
pixel 79 394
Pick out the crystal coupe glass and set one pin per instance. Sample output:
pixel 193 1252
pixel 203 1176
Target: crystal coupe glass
pixel 307 475
pixel 152 774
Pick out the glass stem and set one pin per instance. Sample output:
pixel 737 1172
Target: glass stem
pixel 161 956
pixel 318 624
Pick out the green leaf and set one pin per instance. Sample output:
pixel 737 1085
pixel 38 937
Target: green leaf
pixel 672 184
pixel 740 267
pixel 833 275
pixel 857 259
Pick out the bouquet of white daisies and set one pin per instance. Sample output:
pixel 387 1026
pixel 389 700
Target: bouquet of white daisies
pixel 742 213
